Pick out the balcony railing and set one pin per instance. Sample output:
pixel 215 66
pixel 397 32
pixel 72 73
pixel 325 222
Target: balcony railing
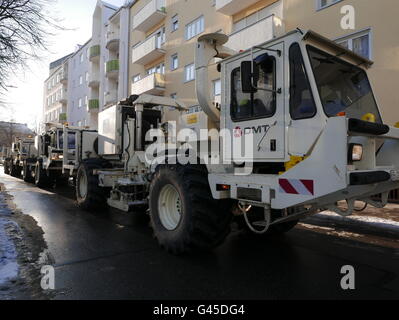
pixel 113 41
pixel 95 52
pixel 152 84
pixel 231 7
pixel 94 80
pixel 94 104
pixel 62 117
pixel 147 51
pixel 152 14
pixel 112 68
pixel 256 34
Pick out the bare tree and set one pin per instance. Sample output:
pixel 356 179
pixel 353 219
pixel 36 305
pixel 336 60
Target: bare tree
pixel 25 27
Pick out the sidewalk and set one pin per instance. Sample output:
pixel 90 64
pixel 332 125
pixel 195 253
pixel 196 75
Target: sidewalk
pixel 380 222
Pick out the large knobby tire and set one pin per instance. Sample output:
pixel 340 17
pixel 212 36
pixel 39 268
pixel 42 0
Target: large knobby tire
pixel 41 178
pixel 184 215
pixel 89 195
pixel 15 171
pixel 7 167
pixel 27 173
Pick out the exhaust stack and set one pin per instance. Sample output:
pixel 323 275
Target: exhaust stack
pixel 209 46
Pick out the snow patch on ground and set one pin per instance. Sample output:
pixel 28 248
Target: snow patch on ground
pixel 8 253
pixel 368 219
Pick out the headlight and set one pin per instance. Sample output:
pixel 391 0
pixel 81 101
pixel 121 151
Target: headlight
pixel 355 152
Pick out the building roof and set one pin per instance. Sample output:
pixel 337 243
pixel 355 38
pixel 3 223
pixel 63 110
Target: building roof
pixel 59 62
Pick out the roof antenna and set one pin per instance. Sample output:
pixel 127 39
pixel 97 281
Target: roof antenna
pixel 300 31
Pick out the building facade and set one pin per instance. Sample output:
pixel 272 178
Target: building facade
pixel 78 88
pixel 108 55
pixel 148 46
pixel 56 92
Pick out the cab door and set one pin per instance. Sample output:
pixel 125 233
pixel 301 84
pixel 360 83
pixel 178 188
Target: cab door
pixel 258 116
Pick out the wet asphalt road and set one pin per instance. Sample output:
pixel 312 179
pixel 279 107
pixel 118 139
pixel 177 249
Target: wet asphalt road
pixel 111 255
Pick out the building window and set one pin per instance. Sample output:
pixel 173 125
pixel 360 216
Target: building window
pixel 195 28
pixel 161 37
pixel 86 101
pixel 189 73
pixel 175 23
pixel 87 77
pixel 360 43
pixel 156 69
pixel 136 78
pixel 321 4
pixel 81 80
pixel 174 63
pixel 217 87
pixel 79 123
pixel 80 103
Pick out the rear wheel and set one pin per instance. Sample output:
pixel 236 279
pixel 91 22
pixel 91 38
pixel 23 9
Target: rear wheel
pixel 41 178
pixel 184 215
pixel 89 195
pixel 27 173
pixel 7 167
pixel 15 171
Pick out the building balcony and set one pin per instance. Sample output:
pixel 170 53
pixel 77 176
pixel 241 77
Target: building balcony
pixel 152 14
pixel 94 53
pixel 152 84
pixel 112 69
pixel 63 99
pixel 111 99
pixel 94 80
pixel 94 105
pixel 147 51
pixel 64 77
pixel 113 41
pixel 62 117
pixel 256 34
pixel 231 7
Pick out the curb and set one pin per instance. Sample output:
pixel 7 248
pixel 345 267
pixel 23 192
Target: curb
pixel 382 227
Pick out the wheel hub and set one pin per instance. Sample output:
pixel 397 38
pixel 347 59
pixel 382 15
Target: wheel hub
pixel 83 186
pixel 170 207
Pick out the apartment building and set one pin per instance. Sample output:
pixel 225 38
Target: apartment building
pixel 56 92
pixel 108 55
pixel 147 46
pixel 78 88
pixel 164 34
pixel 95 76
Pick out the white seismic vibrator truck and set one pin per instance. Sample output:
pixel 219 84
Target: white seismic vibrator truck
pixel 298 130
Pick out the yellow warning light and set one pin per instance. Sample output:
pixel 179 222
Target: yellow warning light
pixel 397 125
pixel 369 117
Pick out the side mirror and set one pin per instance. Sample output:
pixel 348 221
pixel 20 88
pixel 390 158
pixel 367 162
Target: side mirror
pixel 248 79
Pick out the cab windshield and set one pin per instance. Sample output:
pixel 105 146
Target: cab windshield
pixel 343 87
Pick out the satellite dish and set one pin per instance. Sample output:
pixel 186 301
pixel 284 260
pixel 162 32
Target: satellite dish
pixel 217 38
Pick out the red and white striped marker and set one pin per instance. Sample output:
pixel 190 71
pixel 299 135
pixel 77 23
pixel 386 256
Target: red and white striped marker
pixel 295 186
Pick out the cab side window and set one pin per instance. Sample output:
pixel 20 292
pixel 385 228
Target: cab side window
pixel 302 105
pixel 262 104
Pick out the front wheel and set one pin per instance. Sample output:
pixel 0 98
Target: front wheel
pixel 41 178
pixel 27 173
pixel 184 215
